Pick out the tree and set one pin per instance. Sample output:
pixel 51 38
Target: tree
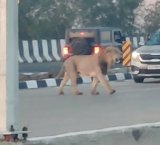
pixel 44 18
pixel 40 19
pixel 152 19
pixel 108 13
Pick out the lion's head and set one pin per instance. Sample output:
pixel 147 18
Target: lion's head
pixel 110 55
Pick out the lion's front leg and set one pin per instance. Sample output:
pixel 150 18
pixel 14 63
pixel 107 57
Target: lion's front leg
pixel 105 83
pixel 94 86
pixel 62 84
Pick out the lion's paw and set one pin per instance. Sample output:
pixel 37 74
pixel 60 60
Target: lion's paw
pixel 61 93
pixel 112 92
pixel 79 93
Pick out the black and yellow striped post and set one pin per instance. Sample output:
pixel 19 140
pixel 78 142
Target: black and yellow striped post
pixel 126 49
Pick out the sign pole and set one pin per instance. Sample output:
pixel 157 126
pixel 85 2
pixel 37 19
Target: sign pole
pixel 8 63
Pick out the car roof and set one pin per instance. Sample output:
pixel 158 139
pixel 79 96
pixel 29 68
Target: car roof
pixel 94 28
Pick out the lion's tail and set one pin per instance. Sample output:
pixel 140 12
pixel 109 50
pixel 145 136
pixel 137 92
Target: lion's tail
pixel 61 72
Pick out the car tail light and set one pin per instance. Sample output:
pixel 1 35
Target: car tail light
pixel 96 49
pixel 65 50
pixel 82 33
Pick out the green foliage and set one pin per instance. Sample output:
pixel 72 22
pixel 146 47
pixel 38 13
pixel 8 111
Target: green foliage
pixel 40 19
pixel 46 19
pixel 106 13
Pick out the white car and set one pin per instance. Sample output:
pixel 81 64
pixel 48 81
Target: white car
pixel 145 60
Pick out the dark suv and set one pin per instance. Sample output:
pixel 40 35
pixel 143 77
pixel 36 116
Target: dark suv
pixel 85 41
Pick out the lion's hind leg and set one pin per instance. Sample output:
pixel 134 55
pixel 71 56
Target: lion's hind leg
pixel 74 86
pixel 72 73
pixel 62 84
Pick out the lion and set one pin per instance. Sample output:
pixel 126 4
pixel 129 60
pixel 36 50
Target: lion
pixel 90 66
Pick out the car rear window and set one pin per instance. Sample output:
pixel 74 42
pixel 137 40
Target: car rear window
pixel 90 41
pixel 105 36
pixel 81 33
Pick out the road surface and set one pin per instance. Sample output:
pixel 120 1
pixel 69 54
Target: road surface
pixel 46 113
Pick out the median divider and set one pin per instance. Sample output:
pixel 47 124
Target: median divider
pixel 52 82
pixel 141 134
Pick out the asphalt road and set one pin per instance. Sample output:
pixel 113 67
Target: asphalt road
pixel 52 67
pixel 46 113
pixel 34 71
pixel 40 67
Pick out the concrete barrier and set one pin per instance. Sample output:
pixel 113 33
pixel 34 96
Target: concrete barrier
pixel 39 51
pixel 142 134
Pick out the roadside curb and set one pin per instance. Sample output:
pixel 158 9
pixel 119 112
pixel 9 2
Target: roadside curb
pixel 138 134
pixel 34 84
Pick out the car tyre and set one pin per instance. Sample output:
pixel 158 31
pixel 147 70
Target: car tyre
pixel 138 79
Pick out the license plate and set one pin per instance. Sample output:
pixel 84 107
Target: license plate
pixel 153 66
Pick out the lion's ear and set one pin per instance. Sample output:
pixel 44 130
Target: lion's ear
pixel 108 50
